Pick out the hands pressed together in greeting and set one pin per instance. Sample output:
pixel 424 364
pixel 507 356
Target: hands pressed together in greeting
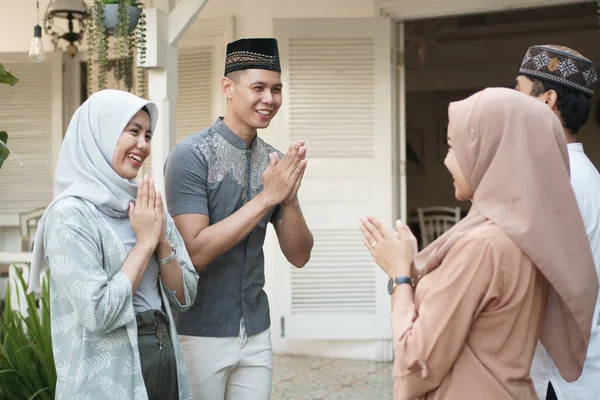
pixel 282 177
pixel 147 217
pixel 392 250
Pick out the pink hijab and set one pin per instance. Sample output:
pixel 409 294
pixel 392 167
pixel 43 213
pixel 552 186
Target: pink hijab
pixel 511 149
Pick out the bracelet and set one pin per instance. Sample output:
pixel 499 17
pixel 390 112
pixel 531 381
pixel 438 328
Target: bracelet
pixel 169 258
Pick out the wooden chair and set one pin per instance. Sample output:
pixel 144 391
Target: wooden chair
pixel 27 220
pixel 434 221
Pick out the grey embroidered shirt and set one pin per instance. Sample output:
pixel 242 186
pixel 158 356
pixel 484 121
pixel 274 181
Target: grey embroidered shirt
pixel 94 330
pixel 213 173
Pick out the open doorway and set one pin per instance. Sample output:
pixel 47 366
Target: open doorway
pixel 448 59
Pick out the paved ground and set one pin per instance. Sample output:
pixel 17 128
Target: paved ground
pixel 311 378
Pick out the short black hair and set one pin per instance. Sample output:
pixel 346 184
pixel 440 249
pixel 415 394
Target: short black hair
pixel 235 75
pixel 574 106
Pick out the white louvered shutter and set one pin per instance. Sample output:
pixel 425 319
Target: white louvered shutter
pixel 28 115
pixel 338 85
pixel 194 106
pixel 194 91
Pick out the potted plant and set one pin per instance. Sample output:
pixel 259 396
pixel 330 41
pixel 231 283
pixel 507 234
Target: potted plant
pixel 27 368
pixel 7 78
pixel 124 22
pixel 113 14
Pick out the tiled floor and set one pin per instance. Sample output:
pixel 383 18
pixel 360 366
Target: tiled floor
pixel 310 378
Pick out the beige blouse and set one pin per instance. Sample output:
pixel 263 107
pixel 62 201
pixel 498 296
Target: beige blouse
pixel 472 329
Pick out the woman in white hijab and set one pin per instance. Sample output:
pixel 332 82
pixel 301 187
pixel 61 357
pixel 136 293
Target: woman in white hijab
pixel 117 263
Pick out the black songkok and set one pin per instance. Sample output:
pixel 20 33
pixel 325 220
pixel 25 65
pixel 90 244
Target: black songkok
pixel 252 54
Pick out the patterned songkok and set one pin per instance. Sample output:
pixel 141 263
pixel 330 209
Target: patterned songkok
pixel 553 65
pixel 252 54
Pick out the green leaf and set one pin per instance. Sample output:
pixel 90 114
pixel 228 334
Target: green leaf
pixel 7 77
pixel 4 153
pixel 4 148
pixel 26 361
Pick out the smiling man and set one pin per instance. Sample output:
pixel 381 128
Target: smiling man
pixel 223 186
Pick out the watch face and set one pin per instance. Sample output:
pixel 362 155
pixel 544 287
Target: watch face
pixel 390 286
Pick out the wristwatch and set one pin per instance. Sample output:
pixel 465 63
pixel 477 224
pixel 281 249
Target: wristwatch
pixel 399 280
pixel 169 258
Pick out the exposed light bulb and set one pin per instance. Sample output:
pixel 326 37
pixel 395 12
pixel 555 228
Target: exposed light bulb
pixel 72 49
pixel 36 51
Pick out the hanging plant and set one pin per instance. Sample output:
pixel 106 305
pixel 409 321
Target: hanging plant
pixel 124 21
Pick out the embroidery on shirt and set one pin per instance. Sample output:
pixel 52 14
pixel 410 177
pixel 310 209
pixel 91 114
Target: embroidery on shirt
pixel 225 159
pixel 222 158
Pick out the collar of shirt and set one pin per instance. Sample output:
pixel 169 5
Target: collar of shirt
pixel 575 147
pixel 231 137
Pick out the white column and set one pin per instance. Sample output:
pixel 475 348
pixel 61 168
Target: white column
pixel 162 90
pixel 166 23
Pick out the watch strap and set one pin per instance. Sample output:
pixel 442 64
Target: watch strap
pixel 399 280
pixel 169 258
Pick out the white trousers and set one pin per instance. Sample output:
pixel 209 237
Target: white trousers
pixel 229 368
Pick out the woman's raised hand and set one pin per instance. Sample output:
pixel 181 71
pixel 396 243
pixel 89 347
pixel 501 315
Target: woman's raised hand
pixel 147 215
pixel 392 250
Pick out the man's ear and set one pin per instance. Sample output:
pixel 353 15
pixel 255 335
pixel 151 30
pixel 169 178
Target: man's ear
pixel 227 86
pixel 552 99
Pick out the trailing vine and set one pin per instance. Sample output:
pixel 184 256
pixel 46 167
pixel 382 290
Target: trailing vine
pixel 101 45
pixel 122 45
pixel 141 46
pixel 92 37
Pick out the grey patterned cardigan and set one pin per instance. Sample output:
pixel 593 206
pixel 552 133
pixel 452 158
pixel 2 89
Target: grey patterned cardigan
pixel 94 330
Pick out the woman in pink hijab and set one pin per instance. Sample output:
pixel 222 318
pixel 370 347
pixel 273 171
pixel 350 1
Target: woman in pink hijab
pixel 516 270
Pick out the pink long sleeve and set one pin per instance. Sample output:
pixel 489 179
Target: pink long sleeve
pixel 479 286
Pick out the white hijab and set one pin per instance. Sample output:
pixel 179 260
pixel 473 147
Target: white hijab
pixel 84 167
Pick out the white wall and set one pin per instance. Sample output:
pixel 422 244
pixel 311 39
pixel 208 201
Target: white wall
pixel 255 18
pixel 17 20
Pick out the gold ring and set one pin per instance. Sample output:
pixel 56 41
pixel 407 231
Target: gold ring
pixel 373 244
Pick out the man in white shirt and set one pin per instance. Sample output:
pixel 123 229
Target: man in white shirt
pixel 565 81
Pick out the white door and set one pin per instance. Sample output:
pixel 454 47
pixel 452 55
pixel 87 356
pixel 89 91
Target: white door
pixel 338 77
